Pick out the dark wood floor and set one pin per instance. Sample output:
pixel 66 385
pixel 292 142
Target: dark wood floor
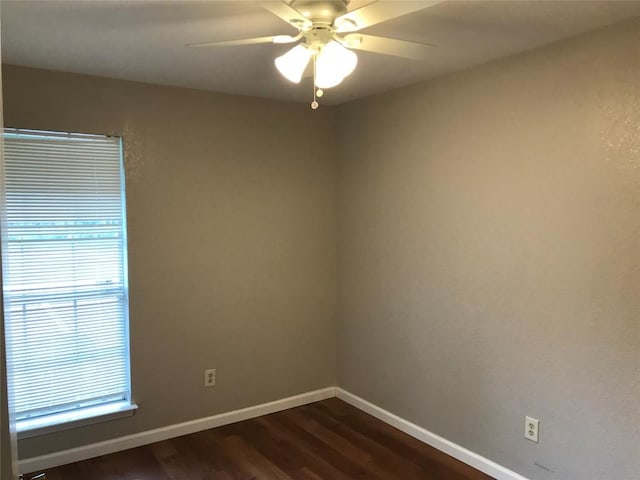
pixel 328 440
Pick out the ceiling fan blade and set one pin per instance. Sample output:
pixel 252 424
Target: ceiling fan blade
pixel 287 13
pixel 379 12
pixel 387 46
pixel 249 41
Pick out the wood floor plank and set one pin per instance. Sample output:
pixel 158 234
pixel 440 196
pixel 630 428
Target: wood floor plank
pixel 405 446
pixel 207 452
pixel 251 460
pixel 283 454
pixel 383 455
pixel 314 462
pixel 338 459
pixel 327 440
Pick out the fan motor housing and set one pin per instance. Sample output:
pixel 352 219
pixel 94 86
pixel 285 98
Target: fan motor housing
pixel 319 11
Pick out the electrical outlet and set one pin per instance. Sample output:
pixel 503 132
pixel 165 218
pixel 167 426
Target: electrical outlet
pixel 531 429
pixel 210 377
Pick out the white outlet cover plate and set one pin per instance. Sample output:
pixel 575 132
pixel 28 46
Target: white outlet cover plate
pixel 531 429
pixel 210 377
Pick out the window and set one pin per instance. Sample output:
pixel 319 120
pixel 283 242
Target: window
pixel 65 277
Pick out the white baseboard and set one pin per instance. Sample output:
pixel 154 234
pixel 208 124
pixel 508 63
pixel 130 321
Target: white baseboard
pixel 456 451
pixel 171 431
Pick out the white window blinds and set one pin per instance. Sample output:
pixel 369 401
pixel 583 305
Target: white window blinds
pixel 65 287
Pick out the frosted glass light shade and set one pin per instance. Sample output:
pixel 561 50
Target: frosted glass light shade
pixel 293 63
pixel 327 77
pixel 333 64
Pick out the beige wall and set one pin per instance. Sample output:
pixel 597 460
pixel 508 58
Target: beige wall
pixel 489 256
pixel 231 241
pixel 8 447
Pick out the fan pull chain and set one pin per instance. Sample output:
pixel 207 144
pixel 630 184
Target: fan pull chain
pixel 314 104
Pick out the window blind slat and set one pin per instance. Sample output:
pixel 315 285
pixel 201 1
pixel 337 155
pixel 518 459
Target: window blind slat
pixel 65 274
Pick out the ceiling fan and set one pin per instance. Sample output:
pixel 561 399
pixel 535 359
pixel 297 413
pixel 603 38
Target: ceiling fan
pixel 327 35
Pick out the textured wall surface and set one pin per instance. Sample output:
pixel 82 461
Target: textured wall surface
pixel 489 256
pixel 231 231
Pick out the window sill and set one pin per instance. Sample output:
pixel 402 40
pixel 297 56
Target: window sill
pixel 78 418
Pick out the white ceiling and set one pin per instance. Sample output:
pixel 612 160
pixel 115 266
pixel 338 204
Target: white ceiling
pixel 144 41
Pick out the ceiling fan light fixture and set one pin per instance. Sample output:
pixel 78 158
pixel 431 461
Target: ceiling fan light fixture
pixel 327 78
pixel 333 64
pixel 293 63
